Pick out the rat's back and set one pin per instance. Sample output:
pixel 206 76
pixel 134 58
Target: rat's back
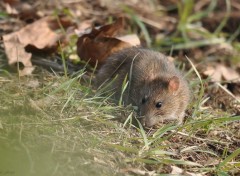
pixel 138 64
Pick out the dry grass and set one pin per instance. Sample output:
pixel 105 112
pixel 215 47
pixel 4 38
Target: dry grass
pixel 57 123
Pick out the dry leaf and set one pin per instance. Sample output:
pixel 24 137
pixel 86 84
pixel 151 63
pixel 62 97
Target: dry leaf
pixel 221 72
pixel 132 39
pixel 16 53
pixel 221 49
pixel 39 34
pixel 96 46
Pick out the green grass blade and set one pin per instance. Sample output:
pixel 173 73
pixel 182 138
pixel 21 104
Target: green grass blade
pixel 124 87
pixel 160 132
pixel 129 118
pixel 201 93
pixel 68 100
pixel 140 24
pixel 179 162
pixel 225 19
pixel 122 148
pixel 234 35
pixel 199 43
pixel 142 131
pixel 63 60
pixel 229 158
pixel 205 13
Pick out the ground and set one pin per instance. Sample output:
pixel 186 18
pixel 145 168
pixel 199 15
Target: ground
pixel 53 123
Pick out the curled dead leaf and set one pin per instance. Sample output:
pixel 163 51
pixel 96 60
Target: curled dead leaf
pixel 96 46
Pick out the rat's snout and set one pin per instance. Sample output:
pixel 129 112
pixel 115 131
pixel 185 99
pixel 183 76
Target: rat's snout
pixel 148 121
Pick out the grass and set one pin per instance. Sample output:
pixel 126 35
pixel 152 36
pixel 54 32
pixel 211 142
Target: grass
pixel 58 125
pixel 61 126
pixel 67 130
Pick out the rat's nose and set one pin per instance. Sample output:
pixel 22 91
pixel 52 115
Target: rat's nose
pixel 147 122
pixel 143 122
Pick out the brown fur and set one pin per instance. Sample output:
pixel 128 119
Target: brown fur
pixel 152 79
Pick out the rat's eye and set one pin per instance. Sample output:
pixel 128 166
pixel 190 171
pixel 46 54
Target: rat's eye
pixel 144 100
pixel 159 104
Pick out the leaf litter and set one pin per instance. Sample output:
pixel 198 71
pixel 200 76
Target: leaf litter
pixel 206 140
pixel 39 34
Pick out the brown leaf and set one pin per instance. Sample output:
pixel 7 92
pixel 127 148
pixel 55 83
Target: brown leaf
pixel 219 72
pixel 38 34
pixel 97 45
pixel 98 51
pixel 16 53
pixel 111 29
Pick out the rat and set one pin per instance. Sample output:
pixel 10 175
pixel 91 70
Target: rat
pixel 148 80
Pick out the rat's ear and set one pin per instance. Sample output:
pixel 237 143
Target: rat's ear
pixel 173 84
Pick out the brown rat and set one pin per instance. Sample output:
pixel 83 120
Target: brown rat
pixel 155 86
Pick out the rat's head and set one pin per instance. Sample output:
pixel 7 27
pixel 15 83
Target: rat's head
pixel 160 101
